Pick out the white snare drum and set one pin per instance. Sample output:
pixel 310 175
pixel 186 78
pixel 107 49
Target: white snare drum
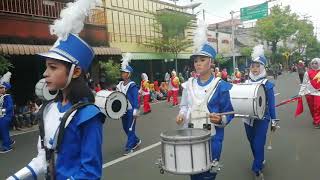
pixel 113 103
pixel 249 100
pixel 42 91
pixel 186 151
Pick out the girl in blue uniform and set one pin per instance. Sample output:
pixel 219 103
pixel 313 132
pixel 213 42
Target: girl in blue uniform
pixel 256 129
pixel 210 94
pixel 6 107
pixel 130 89
pixel 80 154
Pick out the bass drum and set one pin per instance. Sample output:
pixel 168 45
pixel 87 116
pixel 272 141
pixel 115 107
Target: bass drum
pixel 43 92
pixel 249 100
pixel 113 103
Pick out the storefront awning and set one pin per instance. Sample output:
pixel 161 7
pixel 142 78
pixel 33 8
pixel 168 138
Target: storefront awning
pixel 158 56
pixel 23 49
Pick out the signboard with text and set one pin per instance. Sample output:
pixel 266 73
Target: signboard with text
pixel 254 12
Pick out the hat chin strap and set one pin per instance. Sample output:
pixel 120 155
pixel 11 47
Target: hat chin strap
pixel 69 76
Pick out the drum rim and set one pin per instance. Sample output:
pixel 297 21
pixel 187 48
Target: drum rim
pixel 126 108
pixel 166 138
pixel 255 102
pixel 186 173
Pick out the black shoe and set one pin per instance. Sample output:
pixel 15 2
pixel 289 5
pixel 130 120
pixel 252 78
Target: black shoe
pixel 137 145
pixel 259 175
pixel 12 143
pixel 128 152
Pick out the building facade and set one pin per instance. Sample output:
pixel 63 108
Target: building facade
pixel 25 32
pixel 130 25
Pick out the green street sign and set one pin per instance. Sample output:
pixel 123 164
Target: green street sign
pixel 254 12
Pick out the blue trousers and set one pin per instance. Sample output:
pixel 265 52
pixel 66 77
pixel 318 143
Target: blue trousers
pixel 257 135
pixel 4 133
pixel 129 127
pixel 216 148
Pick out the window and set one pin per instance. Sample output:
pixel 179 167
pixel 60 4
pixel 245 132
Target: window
pixel 131 4
pixel 138 29
pixel 125 3
pixel 114 3
pixel 141 5
pixel 136 4
pixel 122 27
pixel 120 3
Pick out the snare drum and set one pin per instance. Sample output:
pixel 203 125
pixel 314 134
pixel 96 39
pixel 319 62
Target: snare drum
pixel 113 103
pixel 186 151
pixel 43 92
pixel 249 100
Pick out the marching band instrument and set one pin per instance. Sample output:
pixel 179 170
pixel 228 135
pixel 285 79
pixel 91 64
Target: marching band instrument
pixel 186 151
pixel 113 103
pixel 43 92
pixel 249 100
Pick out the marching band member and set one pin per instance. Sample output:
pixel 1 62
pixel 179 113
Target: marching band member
pixel 6 114
pixel 206 94
pixel 311 89
pixel 68 148
pixel 236 76
pixel 256 129
pixel 145 92
pixel 130 89
pixel 174 82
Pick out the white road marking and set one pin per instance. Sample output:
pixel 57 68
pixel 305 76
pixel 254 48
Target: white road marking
pixel 24 132
pixel 276 94
pixel 130 155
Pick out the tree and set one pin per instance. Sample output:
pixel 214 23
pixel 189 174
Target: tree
pixel 4 65
pixel 279 25
pixel 171 26
pixel 220 59
pixel 111 71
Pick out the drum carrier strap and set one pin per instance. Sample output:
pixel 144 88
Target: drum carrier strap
pixel 50 158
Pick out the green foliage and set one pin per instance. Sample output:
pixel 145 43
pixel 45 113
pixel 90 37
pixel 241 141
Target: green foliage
pixel 111 71
pixel 220 59
pixel 279 25
pixel 313 49
pixel 246 51
pixel 4 65
pixel 171 25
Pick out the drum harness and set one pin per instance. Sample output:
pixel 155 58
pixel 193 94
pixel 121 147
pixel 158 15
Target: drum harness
pixel 198 108
pixel 64 121
pixel 3 111
pixel 124 88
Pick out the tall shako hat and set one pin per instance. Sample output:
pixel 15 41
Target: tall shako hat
pixel 258 55
pixel 70 47
pixel 5 80
pixel 201 45
pixel 125 67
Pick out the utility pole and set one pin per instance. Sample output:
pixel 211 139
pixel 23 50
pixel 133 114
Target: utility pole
pixel 217 37
pixel 232 40
pixel 203 15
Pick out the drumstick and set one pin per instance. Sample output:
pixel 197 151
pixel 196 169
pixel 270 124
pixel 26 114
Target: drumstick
pixel 218 114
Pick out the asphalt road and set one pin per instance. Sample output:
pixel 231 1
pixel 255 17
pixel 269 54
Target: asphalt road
pixel 295 154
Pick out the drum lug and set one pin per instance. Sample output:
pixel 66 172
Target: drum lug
pixel 160 165
pixel 161 171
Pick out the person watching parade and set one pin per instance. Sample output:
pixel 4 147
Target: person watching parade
pixel 130 89
pixel 196 94
pixel 256 129
pixel 174 81
pixel 68 148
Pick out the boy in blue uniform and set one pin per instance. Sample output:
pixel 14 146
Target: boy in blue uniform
pixel 206 95
pixel 130 89
pixel 6 114
pixel 68 148
pixel 256 129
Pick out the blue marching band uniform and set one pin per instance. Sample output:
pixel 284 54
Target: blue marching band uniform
pixel 80 153
pixel 211 97
pixel 256 129
pixel 130 89
pixel 6 108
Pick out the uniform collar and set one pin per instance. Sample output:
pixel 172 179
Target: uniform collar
pixel 63 108
pixel 204 83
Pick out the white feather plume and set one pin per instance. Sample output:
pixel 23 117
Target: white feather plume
pixel 257 51
pixel 6 77
pixel 200 36
pixel 126 59
pixel 72 18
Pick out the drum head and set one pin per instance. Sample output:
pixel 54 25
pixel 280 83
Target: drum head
pixel 260 102
pixel 185 134
pixel 43 92
pixel 116 105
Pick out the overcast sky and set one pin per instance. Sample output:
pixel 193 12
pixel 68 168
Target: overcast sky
pixel 219 10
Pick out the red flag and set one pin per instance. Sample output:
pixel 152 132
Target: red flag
pixel 299 108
